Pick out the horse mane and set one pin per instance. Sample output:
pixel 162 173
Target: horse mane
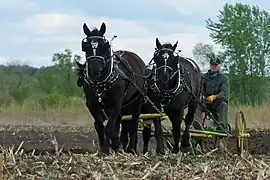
pixel 80 71
pixel 95 32
pixel 167 45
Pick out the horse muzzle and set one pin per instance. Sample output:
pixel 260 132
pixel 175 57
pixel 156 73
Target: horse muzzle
pixel 95 68
pixel 164 74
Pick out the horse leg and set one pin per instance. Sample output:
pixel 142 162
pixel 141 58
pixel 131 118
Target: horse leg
pixel 185 143
pixel 146 137
pixel 124 134
pixel 176 117
pixel 110 130
pixel 133 126
pixel 133 133
pixel 97 115
pixel 158 136
pixel 136 140
pixel 116 139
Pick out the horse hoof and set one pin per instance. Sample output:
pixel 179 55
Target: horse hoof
pixel 116 149
pixel 102 154
pixel 145 150
pixel 185 149
pixel 131 151
pixel 175 150
pixel 104 151
pixel 124 148
pixel 160 152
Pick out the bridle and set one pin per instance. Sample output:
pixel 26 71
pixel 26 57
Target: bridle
pixel 111 76
pixel 167 95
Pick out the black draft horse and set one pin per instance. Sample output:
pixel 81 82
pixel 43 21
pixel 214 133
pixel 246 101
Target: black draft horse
pixel 147 108
pixel 111 82
pixel 177 82
pixel 152 107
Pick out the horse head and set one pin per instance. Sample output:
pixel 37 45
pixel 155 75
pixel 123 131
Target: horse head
pixel 97 52
pixel 80 73
pixel 166 64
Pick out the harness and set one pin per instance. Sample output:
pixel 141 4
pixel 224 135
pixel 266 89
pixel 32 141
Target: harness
pixel 168 95
pixel 111 76
pixel 114 61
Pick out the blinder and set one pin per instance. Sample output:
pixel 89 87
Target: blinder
pixel 158 51
pixel 92 41
pixel 85 45
pixel 166 56
pixel 167 95
pixel 98 50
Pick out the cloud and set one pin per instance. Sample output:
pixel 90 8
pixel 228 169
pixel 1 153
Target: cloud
pixel 48 23
pixel 12 61
pixel 17 4
pixel 38 61
pixel 209 8
pixel 3 60
pixel 196 7
pixel 65 31
pixel 35 30
pixel 60 23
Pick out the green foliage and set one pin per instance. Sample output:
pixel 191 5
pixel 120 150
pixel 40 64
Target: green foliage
pixel 204 52
pixel 243 32
pixel 200 52
pixel 53 100
pixel 43 88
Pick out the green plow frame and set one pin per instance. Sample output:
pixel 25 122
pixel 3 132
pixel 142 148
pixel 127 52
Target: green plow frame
pixel 241 135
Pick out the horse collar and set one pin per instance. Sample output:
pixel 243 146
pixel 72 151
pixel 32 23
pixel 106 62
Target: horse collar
pixel 178 87
pixel 109 79
pixel 168 96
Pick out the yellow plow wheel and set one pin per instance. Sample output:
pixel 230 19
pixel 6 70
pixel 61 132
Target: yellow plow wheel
pixel 241 133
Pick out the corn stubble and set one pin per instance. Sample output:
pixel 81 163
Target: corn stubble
pixel 214 165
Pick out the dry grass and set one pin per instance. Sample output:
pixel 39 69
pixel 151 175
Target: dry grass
pixel 79 116
pixel 18 165
pixel 258 117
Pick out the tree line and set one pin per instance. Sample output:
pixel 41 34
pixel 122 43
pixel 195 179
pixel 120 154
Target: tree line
pixel 243 32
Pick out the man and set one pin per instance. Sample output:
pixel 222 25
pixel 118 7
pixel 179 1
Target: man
pixel 215 91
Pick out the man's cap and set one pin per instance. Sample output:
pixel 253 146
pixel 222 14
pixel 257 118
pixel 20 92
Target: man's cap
pixel 213 59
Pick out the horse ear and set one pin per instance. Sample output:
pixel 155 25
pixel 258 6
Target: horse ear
pixel 86 30
pixel 79 64
pixel 175 46
pixel 158 45
pixel 102 29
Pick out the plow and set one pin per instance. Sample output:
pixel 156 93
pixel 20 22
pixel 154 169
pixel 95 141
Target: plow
pixel 208 136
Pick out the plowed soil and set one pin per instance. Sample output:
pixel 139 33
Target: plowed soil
pixel 80 140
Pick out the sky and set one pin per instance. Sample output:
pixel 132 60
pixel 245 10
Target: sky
pixel 33 30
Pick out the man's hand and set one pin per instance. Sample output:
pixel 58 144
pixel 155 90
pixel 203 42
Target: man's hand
pixel 211 98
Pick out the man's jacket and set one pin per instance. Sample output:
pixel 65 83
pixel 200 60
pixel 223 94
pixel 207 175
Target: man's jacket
pixel 216 83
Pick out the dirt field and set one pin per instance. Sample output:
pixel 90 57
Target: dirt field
pixel 49 163
pixel 81 140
